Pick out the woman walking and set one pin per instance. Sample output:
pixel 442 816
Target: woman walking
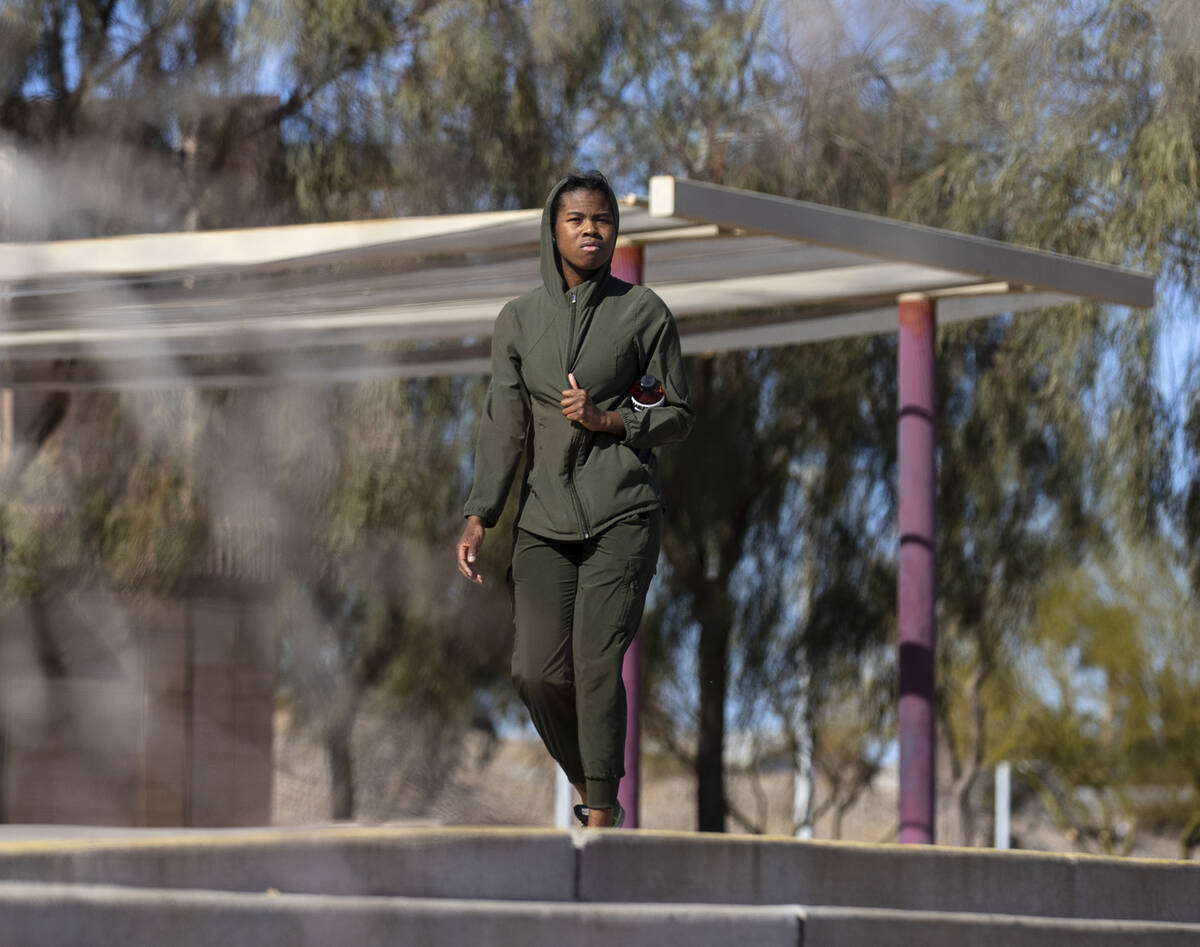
pixel 565 358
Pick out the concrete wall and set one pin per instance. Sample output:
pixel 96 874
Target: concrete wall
pixel 513 864
pixel 624 867
pixel 151 712
pixel 747 870
pixel 112 917
pixel 752 870
pixel 528 888
pixel 104 916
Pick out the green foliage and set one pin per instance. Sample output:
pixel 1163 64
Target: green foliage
pixel 1059 127
pixel 1109 721
pixel 133 523
pixel 370 479
pixel 776 565
pixel 494 100
pixel 152 538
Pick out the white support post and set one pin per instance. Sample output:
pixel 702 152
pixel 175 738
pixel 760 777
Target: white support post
pixel 564 800
pixel 1003 836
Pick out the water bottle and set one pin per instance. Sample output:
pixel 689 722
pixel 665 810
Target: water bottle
pixel 647 393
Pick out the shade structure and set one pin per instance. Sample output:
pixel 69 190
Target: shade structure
pixel 417 297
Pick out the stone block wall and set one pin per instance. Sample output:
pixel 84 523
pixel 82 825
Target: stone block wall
pixel 137 712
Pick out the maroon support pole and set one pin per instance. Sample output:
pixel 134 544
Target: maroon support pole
pixel 627 265
pixel 915 587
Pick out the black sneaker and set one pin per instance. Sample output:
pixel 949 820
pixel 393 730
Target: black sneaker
pixel 581 813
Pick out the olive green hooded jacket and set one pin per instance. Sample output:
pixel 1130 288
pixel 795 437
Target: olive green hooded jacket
pixel 608 333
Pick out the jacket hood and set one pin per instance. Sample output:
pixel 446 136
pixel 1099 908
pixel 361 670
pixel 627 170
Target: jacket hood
pixel 551 264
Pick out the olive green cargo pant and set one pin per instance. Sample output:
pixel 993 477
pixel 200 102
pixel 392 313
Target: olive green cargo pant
pixel 577 607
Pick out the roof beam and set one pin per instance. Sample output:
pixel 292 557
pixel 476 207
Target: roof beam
pixel 988 260
pixel 258 246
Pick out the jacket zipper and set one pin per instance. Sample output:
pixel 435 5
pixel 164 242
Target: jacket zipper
pixel 574 435
pixel 571 334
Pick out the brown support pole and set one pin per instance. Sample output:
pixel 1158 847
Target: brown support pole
pixel 627 265
pixel 916 590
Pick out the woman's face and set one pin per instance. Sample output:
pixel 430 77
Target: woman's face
pixel 585 232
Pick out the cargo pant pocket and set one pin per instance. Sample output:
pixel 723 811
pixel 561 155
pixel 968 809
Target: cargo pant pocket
pixel 639 571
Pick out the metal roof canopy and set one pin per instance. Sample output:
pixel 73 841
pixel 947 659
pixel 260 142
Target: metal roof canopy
pixel 417 296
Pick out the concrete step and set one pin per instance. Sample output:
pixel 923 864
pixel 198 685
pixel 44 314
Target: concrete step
pixel 493 863
pixel 118 916
pixel 545 865
pixel 756 870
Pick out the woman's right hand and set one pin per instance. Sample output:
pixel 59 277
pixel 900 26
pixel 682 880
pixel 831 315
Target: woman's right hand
pixel 468 548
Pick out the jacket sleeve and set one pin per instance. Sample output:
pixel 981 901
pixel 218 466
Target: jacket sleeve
pixel 503 425
pixel 671 421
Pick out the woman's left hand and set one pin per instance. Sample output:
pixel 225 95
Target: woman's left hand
pixel 577 405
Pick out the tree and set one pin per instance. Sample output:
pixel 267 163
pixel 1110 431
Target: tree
pixel 368 498
pixel 1108 724
pixel 170 104
pixel 987 121
pixel 738 518
pixel 178 90
pixel 715 497
pixel 1054 432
